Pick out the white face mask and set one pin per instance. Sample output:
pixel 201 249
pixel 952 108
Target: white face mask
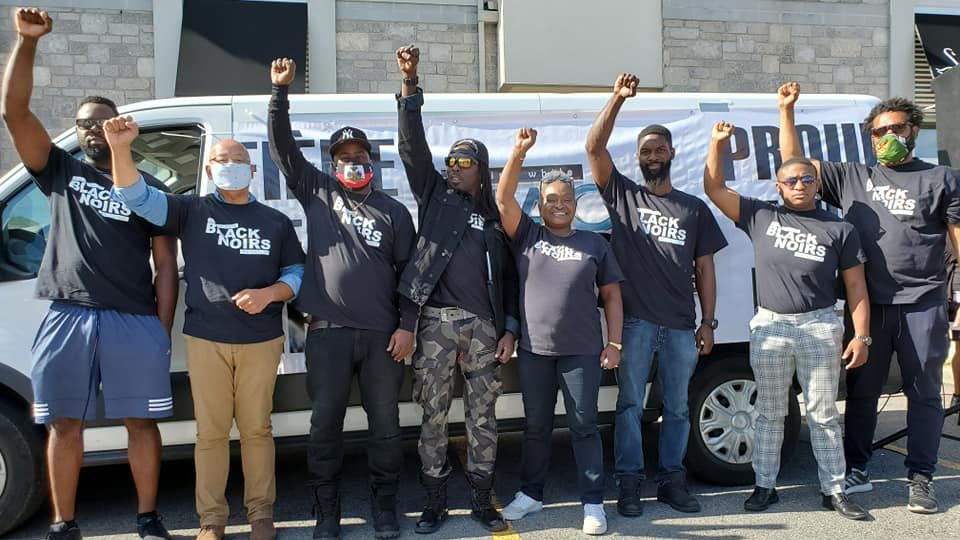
pixel 231 176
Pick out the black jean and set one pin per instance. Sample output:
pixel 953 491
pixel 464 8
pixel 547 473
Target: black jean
pixel 334 355
pixel 578 377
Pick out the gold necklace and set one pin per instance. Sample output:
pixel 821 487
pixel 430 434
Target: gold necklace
pixel 354 208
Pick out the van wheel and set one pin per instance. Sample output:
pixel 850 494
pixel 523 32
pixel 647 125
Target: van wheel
pixel 22 483
pixel 723 415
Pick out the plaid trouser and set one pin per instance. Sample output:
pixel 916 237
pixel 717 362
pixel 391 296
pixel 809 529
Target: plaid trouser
pixel 808 344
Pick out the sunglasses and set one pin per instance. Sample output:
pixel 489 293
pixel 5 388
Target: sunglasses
pixel 896 128
pixel 792 180
pixel 89 123
pixel 462 162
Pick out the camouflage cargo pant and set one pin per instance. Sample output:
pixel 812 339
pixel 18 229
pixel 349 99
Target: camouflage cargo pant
pixel 441 346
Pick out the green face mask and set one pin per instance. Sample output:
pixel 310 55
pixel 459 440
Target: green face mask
pixel 890 149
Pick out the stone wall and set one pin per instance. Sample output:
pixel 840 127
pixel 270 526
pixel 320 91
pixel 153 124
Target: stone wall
pixel 753 46
pixel 90 51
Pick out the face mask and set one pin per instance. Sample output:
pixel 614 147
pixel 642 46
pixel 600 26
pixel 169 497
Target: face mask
pixel 354 175
pixel 891 149
pixel 231 176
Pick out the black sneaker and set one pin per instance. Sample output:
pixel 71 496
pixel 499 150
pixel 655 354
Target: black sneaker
pixel 761 499
pixel 922 499
pixel 844 506
pixel 385 524
pixel 629 503
pixel 64 530
pixel 150 527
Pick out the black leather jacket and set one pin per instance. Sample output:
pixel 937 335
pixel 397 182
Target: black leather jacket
pixel 442 221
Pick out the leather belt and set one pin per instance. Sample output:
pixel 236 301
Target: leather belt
pixel 447 314
pixel 317 324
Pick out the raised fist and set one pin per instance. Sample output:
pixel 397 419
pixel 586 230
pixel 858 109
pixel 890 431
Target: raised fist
pixel 526 138
pixel 282 71
pixel 408 57
pixel 32 22
pixel 626 85
pixel 788 94
pixel 722 131
pixel 120 131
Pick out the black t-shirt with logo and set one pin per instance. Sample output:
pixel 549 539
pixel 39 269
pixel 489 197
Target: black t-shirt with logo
pixel 464 281
pixel 656 240
pixel 356 244
pixel 798 254
pixel 228 248
pixel 98 252
pixel 559 277
pixel 901 214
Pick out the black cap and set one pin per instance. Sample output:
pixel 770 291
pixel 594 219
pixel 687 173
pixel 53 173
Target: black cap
pixel 472 148
pixel 348 134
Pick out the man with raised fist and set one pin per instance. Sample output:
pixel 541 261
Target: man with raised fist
pixel 359 240
pixel 109 322
pixel 660 236
pixel 464 277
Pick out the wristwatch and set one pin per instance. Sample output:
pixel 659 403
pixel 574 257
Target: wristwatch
pixel 866 340
pixel 712 323
pixel 615 345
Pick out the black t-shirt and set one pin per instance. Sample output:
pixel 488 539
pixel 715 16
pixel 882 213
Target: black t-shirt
pixel 559 277
pixel 798 254
pixel 901 214
pixel 98 252
pixel 228 248
pixel 356 247
pixel 656 240
pixel 464 281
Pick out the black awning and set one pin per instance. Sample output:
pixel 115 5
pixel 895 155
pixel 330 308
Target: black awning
pixel 940 37
pixel 226 46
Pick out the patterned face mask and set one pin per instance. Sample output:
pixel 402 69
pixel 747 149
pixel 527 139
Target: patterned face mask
pixel 891 149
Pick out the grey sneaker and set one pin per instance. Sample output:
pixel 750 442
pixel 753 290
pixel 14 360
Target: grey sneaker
pixel 922 499
pixel 857 481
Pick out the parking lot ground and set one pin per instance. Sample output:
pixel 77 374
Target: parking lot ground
pixel 107 506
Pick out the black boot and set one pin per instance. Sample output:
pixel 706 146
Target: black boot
pixel 674 492
pixel 629 503
pixel 435 510
pixel 483 510
pixel 327 510
pixel 384 506
pixel 761 499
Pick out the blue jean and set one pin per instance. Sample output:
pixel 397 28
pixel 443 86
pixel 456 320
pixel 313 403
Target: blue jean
pixel 677 354
pixel 578 377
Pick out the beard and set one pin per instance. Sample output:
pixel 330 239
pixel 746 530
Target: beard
pixel 656 177
pixel 95 153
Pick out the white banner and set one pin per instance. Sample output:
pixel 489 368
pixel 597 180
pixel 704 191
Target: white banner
pixel 829 133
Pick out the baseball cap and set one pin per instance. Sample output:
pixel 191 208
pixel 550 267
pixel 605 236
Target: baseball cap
pixel 348 134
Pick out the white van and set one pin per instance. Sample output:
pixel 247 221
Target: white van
pixel 176 133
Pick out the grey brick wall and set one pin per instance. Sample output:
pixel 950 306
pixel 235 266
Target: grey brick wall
pixel 366 60
pixel 750 46
pixel 103 52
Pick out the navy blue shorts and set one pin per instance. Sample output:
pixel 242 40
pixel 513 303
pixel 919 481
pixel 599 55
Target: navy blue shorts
pixel 80 350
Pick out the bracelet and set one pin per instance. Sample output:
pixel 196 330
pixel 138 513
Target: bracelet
pixel 615 345
pixel 411 82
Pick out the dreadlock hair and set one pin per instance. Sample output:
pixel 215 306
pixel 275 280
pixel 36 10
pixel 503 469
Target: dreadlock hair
pixel 895 104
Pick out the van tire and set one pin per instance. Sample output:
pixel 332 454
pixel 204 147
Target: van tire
pixel 21 449
pixel 721 444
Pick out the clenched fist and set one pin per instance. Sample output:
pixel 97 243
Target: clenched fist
pixel 626 85
pixel 32 22
pixel 788 94
pixel 408 57
pixel 722 131
pixel 120 131
pixel 282 71
pixel 526 138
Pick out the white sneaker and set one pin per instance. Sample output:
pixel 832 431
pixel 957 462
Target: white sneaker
pixel 520 506
pixel 594 519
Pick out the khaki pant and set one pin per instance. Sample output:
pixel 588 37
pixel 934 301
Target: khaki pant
pixel 230 381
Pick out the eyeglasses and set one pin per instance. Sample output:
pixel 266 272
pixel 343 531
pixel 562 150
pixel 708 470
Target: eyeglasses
pixel 462 162
pixel 791 181
pixel 896 128
pixel 89 123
